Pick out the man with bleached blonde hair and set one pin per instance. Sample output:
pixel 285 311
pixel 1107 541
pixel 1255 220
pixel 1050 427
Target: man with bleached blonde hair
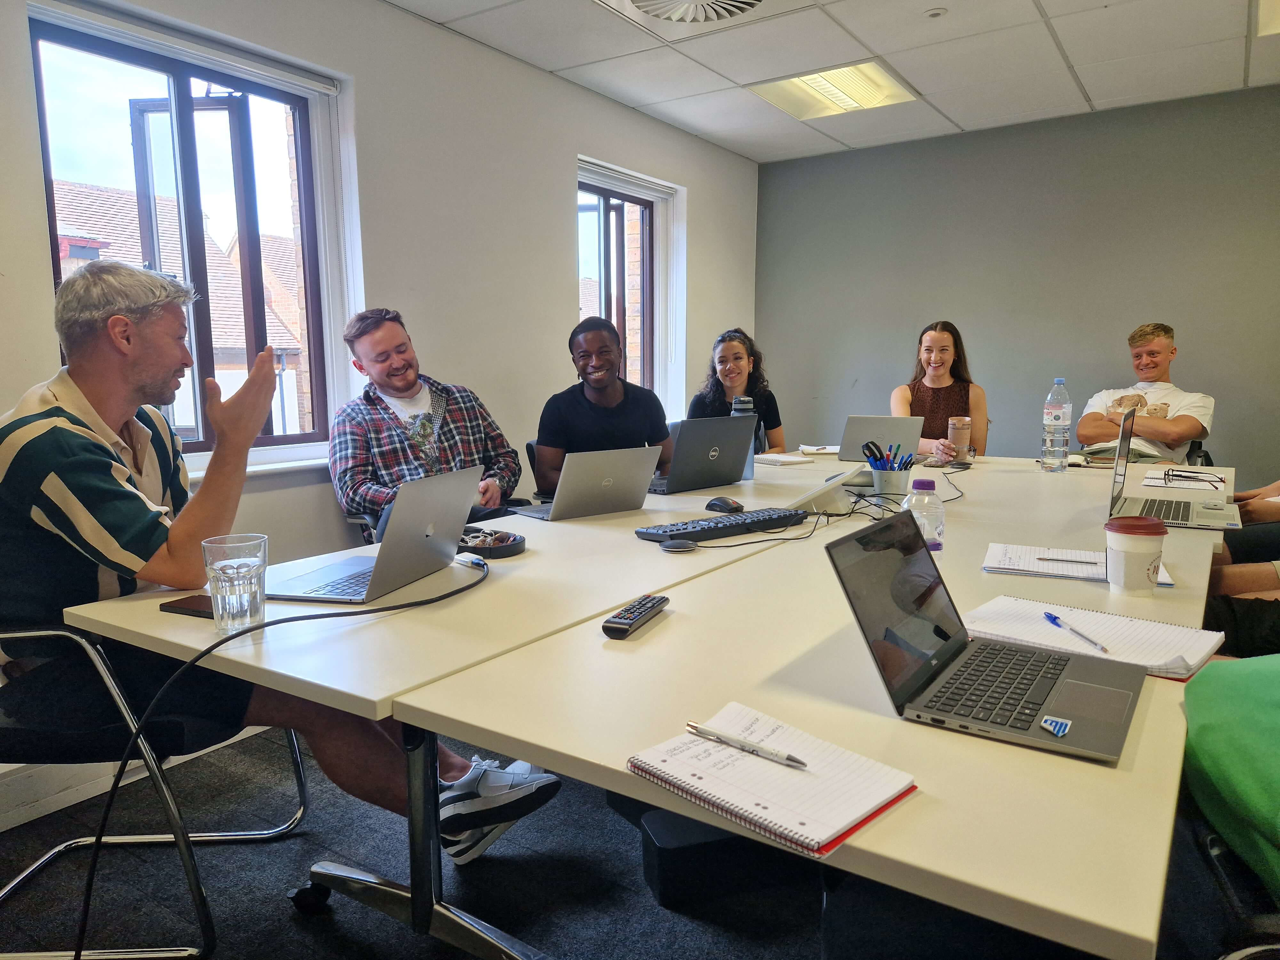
pixel 1168 418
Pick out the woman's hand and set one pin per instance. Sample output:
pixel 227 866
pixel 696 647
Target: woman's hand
pixel 943 449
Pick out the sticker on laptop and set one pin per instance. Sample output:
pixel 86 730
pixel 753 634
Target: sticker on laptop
pixel 1056 726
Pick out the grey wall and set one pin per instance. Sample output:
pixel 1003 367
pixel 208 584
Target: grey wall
pixel 1046 244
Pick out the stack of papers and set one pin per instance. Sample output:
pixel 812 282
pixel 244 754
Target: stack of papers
pixel 1050 562
pixel 1164 649
pixel 824 450
pixel 781 459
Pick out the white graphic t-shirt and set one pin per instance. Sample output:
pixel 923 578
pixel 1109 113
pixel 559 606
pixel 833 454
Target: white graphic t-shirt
pixel 419 424
pixel 1181 403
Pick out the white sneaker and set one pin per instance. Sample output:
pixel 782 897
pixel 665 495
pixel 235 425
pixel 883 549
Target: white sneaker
pixel 489 796
pixel 468 846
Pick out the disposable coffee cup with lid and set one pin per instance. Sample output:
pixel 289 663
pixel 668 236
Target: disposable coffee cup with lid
pixel 1134 548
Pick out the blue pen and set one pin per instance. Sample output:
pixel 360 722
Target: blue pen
pixel 1063 625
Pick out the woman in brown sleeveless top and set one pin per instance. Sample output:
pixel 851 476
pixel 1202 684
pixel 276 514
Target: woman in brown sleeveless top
pixel 941 388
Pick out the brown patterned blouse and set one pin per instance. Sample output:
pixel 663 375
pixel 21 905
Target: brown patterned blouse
pixel 937 405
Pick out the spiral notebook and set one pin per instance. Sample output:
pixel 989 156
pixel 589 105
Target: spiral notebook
pixel 1054 562
pixel 811 811
pixel 1164 649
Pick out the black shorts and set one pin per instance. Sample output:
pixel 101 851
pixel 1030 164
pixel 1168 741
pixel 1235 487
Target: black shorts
pixel 1254 543
pixel 66 693
pixel 1252 626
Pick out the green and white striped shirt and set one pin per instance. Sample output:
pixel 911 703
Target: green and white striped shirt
pixel 82 509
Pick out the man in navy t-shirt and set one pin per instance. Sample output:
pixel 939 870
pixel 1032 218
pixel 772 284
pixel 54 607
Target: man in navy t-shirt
pixel 601 412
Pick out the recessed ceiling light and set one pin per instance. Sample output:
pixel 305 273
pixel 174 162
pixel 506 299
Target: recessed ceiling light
pixel 936 12
pixel 1268 17
pixel 693 11
pixel 858 86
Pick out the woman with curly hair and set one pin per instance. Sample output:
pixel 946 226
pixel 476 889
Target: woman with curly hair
pixel 737 370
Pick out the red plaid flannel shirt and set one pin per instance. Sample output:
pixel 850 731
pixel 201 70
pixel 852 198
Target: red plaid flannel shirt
pixel 370 454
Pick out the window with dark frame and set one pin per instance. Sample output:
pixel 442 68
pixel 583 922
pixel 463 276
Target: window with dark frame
pixel 615 271
pixel 202 176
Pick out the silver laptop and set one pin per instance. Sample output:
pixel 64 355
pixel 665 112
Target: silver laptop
pixel 1211 512
pixel 421 538
pixel 935 674
pixel 710 452
pixel 602 481
pixel 884 432
pixel 829 497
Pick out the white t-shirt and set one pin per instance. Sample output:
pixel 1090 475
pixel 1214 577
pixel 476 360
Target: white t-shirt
pixel 1181 403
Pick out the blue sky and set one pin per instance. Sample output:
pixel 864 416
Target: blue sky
pixel 87 107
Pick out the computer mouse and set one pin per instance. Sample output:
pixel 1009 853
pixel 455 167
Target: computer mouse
pixel 1213 505
pixel 724 505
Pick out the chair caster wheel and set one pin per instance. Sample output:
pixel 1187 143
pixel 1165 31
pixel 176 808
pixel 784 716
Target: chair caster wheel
pixel 310 898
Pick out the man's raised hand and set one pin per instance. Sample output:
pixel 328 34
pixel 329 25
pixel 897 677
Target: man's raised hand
pixel 237 420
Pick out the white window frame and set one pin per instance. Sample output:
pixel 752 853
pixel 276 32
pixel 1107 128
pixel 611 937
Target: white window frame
pixel 333 162
pixel 670 204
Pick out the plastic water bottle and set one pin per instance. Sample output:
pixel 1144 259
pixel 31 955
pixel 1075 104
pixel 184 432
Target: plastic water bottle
pixel 742 407
pixel 926 506
pixel 1057 429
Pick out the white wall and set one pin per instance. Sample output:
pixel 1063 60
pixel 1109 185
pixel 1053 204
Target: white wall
pixel 467 167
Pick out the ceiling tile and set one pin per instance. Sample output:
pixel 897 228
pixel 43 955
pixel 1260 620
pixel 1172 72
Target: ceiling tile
pixel 670 30
pixel 442 11
pixel 986 58
pixel 900 121
pixel 1056 8
pixel 742 122
pixel 1046 114
pixel 1148 26
pixel 891 25
pixel 1264 61
pixel 555 34
pixel 1189 72
pixel 647 77
pixel 973 106
pixel 778 47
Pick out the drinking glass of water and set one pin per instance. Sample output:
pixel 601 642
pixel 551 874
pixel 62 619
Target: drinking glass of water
pixel 237 569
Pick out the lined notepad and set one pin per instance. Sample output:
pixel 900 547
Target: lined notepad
pixel 1164 649
pixel 1155 478
pixel 812 811
pixel 825 449
pixel 1052 562
pixel 781 459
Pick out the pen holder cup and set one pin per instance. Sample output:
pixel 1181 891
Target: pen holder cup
pixel 892 481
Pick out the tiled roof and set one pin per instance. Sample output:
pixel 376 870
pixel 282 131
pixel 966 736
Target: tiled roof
pixel 111 215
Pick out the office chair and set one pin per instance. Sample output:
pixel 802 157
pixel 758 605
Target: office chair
pixel 166 735
pixel 1197 455
pixel 1254 915
pixel 531 451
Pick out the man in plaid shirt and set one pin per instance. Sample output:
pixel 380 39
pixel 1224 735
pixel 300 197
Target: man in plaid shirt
pixel 406 426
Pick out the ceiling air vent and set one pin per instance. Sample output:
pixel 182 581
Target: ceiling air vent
pixel 685 11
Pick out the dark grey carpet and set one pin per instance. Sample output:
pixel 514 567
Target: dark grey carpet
pixel 567 880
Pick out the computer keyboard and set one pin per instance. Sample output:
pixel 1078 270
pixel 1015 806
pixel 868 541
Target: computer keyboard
pixel 352 585
pixel 1001 685
pixel 723 525
pixel 1179 511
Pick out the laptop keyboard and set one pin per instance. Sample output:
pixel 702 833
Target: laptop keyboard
pixel 1177 511
pixel 658 485
pixel 352 585
pixel 1001 685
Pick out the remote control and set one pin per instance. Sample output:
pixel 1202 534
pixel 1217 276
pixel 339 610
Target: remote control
pixel 622 623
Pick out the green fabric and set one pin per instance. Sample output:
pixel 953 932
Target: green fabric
pixel 1233 757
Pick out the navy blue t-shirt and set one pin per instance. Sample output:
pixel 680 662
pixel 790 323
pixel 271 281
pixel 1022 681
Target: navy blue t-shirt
pixel 572 423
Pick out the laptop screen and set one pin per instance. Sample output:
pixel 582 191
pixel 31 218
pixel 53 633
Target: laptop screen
pixel 900 602
pixel 1122 457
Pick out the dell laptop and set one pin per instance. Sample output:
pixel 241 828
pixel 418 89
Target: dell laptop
pixel 421 538
pixel 935 674
pixel 885 432
pixel 602 481
pixel 1205 513
pixel 710 452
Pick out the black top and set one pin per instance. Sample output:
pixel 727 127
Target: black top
pixel 572 423
pixel 700 408
pixel 766 410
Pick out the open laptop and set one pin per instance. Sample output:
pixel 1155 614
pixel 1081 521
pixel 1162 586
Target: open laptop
pixel 885 432
pixel 421 538
pixel 1067 703
pixel 829 497
pixel 710 452
pixel 1211 512
pixel 602 481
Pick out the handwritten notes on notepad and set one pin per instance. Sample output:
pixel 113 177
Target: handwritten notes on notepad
pixel 812 811
pixel 1051 562
pixel 1165 650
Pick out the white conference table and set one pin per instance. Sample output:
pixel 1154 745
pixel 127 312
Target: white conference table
pixel 1066 849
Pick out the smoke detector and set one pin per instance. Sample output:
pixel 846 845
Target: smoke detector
pixel 695 11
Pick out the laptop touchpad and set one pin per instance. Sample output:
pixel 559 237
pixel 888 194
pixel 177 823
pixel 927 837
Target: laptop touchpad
pixel 1090 701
